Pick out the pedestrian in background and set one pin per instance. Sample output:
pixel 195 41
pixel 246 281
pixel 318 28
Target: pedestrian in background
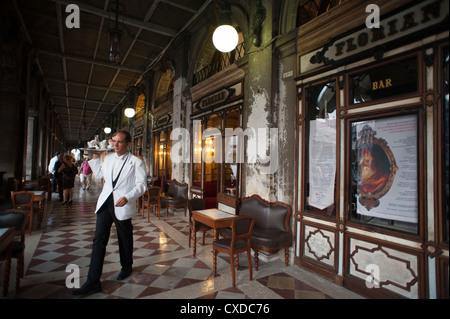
pixel 68 171
pixel 51 171
pixel 85 174
pixel 58 176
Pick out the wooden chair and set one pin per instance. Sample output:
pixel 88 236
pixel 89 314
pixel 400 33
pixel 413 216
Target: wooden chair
pixel 15 218
pixel 196 204
pixel 25 201
pixel 30 185
pixel 151 200
pixel 239 242
pixel 45 184
pixel 176 196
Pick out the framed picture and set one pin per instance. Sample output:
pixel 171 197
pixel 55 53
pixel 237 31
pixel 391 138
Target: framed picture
pixel 384 171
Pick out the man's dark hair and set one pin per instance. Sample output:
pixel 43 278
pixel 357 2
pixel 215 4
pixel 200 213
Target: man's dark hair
pixel 126 134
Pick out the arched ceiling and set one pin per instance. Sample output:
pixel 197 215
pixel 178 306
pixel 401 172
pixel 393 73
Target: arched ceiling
pixel 74 62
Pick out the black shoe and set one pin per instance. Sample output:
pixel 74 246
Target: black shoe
pixel 124 273
pixel 87 288
pixel 65 203
pixel 69 203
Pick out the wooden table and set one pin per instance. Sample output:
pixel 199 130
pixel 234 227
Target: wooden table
pixel 6 239
pixel 214 218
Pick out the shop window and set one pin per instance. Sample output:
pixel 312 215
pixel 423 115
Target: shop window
pixel 215 167
pixel 197 154
pixel 230 166
pixel 162 160
pixel 320 159
pixel 137 146
pixel 384 161
pixel 210 149
pixel 384 81
pixel 445 147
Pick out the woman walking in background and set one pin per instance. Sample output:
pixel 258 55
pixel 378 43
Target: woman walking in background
pixel 68 171
pixel 85 174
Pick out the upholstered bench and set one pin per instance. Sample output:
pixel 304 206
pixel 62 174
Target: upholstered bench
pixel 272 230
pixel 176 196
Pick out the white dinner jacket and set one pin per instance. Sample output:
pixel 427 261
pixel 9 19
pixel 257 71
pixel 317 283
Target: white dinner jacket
pixel 132 183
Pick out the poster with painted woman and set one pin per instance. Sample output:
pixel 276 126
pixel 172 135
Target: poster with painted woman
pixel 386 168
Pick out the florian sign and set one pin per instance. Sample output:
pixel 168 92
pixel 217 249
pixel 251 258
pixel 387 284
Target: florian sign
pixel 421 16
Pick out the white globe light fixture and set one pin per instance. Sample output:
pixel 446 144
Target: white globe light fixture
pixel 225 38
pixel 107 130
pixel 129 112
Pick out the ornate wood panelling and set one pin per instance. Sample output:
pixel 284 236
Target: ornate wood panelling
pixel 395 270
pixel 320 245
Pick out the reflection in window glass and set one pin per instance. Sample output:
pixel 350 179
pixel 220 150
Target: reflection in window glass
pixel 162 161
pixel 320 164
pixel 230 167
pixel 393 79
pixel 384 171
pixel 210 146
pixel 215 167
pixel 197 157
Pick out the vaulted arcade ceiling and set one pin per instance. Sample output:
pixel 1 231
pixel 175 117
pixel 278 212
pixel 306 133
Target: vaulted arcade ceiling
pixel 84 85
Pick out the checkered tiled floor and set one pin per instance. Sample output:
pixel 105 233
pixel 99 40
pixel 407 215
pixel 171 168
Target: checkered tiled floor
pixel 163 263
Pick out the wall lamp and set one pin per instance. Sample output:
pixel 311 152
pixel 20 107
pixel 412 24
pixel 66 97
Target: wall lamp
pixel 132 94
pixel 225 38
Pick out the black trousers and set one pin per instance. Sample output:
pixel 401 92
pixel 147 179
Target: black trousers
pixel 105 219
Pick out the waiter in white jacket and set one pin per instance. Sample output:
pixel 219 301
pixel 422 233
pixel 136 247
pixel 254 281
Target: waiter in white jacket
pixel 124 182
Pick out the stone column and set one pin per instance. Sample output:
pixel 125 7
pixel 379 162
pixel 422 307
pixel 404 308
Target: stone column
pixel 182 105
pixel 258 177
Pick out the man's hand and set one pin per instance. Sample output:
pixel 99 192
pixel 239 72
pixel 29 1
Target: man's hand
pixel 122 201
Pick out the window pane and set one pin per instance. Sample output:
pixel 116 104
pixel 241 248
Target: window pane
pixel 320 167
pixel 384 168
pixel 197 154
pixel 161 157
pixel 211 167
pixel 230 167
pixel 399 77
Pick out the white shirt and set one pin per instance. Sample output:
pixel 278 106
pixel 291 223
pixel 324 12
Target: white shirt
pixel 118 163
pixel 51 165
